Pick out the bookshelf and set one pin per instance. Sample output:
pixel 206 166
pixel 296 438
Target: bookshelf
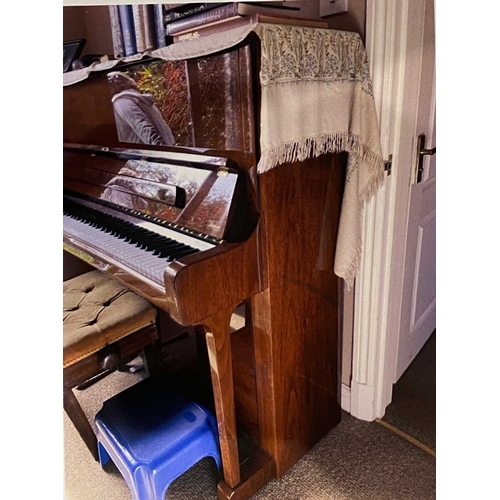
pixel 94 24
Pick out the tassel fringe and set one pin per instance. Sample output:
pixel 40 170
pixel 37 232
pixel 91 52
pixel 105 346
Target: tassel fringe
pixel 329 143
pixel 349 275
pixel 315 146
pixel 334 143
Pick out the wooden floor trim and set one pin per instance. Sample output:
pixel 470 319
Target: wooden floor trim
pixel 407 437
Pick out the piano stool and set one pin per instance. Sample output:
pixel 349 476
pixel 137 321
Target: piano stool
pixel 154 435
pixel 105 326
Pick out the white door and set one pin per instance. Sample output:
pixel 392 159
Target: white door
pixel 418 301
pixel 395 302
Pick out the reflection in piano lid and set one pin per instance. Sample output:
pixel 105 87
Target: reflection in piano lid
pixel 147 208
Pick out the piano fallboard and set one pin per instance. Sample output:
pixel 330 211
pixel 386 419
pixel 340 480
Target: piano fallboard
pixel 146 216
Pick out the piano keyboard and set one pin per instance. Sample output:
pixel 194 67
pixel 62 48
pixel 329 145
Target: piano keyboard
pixel 142 246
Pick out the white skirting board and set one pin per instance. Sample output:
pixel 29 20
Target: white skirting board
pixel 361 402
pixel 345 398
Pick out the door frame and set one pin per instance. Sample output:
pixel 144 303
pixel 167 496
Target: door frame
pixel 377 301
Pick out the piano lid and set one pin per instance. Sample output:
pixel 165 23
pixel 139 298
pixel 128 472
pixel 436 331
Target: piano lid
pixel 187 190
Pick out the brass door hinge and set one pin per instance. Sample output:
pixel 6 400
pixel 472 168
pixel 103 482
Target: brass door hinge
pixel 388 165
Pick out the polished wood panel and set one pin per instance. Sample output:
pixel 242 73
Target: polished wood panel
pixel 296 319
pixel 245 390
pixel 199 285
pixel 88 113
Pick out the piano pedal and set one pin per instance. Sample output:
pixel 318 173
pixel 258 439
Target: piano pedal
pixel 122 367
pixel 131 368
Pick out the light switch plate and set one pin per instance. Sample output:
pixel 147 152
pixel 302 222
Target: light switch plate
pixel 330 7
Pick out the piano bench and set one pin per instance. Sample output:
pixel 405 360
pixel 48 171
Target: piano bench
pixel 105 325
pixel 154 435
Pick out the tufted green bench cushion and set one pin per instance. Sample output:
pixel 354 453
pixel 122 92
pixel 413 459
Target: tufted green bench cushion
pixel 97 311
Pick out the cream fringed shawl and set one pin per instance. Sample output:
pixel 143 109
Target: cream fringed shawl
pixel 316 98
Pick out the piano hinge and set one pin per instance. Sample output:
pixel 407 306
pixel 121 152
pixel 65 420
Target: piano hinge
pixel 223 171
pixel 150 218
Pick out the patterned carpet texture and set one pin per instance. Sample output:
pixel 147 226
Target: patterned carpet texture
pixel 413 406
pixel 357 460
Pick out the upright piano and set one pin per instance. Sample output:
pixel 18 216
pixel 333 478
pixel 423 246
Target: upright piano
pixel 196 231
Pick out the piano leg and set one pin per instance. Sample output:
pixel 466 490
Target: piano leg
pixel 238 483
pixel 218 340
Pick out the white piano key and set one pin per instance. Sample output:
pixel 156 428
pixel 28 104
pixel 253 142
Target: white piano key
pixel 141 261
pixel 150 226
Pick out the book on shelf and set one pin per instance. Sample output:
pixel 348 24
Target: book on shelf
pixel 174 11
pixel 159 26
pixel 238 21
pixel 136 28
pixel 139 28
pixel 144 27
pixel 128 30
pixel 149 26
pixel 178 11
pixel 116 32
pixel 227 11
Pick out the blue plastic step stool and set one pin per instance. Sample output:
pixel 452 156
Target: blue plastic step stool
pixel 153 435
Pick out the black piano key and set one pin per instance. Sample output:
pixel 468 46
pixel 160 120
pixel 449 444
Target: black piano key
pixel 142 238
pixel 181 253
pixel 151 242
pixel 167 249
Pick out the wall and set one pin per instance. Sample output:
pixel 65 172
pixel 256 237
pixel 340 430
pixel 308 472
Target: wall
pixel 353 20
pixel 91 23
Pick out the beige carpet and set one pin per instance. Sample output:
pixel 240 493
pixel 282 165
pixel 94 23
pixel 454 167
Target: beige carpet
pixel 356 460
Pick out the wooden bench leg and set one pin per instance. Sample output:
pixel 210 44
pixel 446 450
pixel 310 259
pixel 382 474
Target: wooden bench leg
pixel 77 416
